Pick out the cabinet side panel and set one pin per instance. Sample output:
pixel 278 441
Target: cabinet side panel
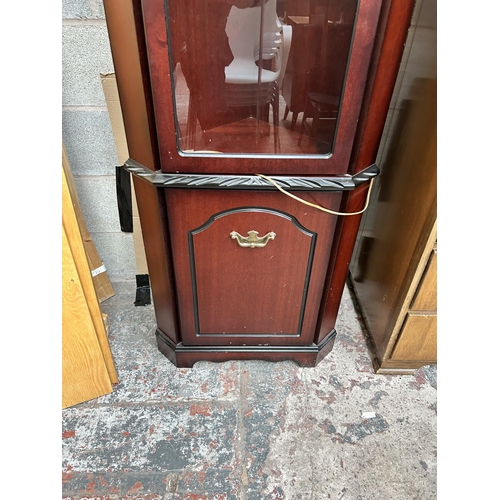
pixel 391 249
pixel 154 225
pixel 129 58
pixel 130 63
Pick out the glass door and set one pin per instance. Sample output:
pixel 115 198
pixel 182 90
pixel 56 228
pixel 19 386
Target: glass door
pixel 258 86
pixel 245 70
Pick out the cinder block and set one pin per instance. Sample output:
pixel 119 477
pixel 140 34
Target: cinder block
pixel 100 9
pixel 89 142
pixel 116 251
pixel 85 55
pixel 77 9
pixel 99 205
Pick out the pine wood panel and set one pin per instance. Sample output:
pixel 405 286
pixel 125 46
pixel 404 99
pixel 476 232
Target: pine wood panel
pixel 74 237
pixel 418 339
pixel 84 372
pixel 426 296
pixel 102 285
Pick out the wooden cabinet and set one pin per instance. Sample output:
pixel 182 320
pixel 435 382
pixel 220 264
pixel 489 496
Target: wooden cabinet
pixel 416 342
pixel 244 261
pixel 394 264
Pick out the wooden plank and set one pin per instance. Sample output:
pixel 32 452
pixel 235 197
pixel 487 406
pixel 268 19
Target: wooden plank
pixel 418 339
pixel 102 285
pixel 84 372
pixel 413 284
pixel 105 320
pixel 74 236
pixel 426 296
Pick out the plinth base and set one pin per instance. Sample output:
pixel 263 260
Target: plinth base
pixel 184 356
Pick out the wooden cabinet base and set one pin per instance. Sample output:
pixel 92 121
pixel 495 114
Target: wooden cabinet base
pixel 184 356
pixel 399 367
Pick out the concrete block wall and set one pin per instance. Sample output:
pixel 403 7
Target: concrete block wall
pixel 87 134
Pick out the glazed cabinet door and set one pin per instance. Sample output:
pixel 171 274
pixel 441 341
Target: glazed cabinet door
pixel 222 73
pixel 249 266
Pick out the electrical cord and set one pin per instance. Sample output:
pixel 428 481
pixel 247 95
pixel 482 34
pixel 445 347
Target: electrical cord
pixel 318 206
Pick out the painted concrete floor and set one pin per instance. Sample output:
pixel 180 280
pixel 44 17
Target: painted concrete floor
pixel 250 430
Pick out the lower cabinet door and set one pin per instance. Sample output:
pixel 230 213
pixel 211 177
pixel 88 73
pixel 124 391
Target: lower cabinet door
pixel 249 266
pixel 418 339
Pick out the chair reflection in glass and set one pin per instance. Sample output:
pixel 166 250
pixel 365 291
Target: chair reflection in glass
pixel 260 45
pixel 233 54
pixel 319 107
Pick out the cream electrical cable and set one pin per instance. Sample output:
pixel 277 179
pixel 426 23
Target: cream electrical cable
pixel 318 206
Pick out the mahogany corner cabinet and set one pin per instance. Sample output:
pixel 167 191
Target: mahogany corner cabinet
pixel 252 127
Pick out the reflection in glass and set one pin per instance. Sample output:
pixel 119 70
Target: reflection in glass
pixel 259 76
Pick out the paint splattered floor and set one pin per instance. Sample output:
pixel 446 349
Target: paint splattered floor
pixel 250 430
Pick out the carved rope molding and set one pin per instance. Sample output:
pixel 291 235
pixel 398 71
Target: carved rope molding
pixel 230 181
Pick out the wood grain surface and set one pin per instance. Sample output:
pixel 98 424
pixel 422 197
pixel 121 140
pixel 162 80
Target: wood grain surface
pixel 262 288
pixel 417 340
pixel 87 363
pixel 103 286
pixel 426 295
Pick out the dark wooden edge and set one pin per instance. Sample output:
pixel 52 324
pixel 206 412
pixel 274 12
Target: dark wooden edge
pixel 394 23
pixel 251 182
pixel 130 64
pixel 392 31
pixel 123 186
pixel 146 81
pixel 128 51
pixel 186 356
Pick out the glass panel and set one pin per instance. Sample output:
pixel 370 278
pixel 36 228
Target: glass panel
pixel 259 76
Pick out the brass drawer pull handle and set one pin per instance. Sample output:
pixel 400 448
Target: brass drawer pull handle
pixel 252 241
